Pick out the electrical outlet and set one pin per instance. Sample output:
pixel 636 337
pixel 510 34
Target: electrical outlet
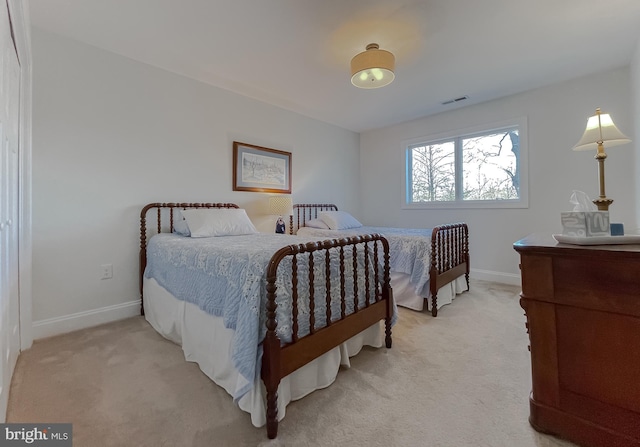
pixel 107 271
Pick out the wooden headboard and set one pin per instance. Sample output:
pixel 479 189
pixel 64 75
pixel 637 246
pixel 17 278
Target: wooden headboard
pixel 164 224
pixel 302 212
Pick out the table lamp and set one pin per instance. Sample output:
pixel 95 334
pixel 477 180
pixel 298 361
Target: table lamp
pixel 280 206
pixel 600 129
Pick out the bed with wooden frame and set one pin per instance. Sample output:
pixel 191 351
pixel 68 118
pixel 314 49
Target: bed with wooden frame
pixel 363 262
pixel 448 258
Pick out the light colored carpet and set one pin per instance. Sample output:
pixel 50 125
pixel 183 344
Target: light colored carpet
pixel 461 379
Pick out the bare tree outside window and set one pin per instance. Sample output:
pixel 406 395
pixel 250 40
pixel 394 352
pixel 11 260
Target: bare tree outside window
pixel 480 167
pixel 491 166
pixel 433 169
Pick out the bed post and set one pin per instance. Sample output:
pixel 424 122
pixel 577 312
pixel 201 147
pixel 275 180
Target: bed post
pixel 433 273
pixel 465 244
pixel 143 249
pixel 387 291
pixel 270 370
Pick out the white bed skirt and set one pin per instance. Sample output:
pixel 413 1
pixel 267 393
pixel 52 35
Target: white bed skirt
pixel 206 341
pixel 404 292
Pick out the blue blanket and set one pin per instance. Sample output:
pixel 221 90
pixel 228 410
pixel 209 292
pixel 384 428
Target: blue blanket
pixel 410 250
pixel 226 277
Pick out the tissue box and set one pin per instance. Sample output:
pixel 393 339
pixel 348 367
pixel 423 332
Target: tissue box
pixel 585 223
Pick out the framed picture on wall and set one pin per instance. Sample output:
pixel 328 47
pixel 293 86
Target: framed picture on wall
pixel 261 169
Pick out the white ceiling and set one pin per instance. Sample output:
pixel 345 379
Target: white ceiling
pixel 296 53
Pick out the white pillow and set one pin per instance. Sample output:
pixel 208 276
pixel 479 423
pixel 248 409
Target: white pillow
pixel 180 226
pixel 316 223
pixel 339 220
pixel 207 222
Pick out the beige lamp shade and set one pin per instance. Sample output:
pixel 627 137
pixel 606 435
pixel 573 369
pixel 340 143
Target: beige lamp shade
pixel 372 68
pixel 600 130
pixel 280 205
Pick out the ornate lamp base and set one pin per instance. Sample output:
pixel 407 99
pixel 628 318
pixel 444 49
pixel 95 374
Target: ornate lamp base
pixel 603 203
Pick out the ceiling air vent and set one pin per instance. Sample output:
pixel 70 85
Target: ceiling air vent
pixel 451 101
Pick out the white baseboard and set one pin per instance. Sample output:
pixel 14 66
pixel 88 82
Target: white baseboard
pixel 81 320
pixel 503 278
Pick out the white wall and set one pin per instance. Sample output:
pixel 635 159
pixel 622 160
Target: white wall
pixel 556 117
pixel 110 135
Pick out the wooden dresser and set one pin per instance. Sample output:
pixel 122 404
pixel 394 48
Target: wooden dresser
pixel 582 305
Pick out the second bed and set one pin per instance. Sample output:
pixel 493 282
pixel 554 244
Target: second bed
pixel 427 265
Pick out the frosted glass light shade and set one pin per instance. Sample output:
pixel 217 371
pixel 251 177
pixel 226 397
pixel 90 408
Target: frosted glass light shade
pixel 372 68
pixel 600 129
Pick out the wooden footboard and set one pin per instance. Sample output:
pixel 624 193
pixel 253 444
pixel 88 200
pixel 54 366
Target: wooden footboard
pixel 279 359
pixel 449 258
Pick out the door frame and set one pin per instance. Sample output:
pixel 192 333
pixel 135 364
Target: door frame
pixel 21 27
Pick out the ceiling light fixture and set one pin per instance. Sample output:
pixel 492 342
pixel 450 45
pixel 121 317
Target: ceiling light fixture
pixel 372 68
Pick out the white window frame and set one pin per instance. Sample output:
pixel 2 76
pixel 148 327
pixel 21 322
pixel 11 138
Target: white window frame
pixel 522 202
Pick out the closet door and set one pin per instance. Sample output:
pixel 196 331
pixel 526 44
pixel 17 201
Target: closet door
pixel 9 181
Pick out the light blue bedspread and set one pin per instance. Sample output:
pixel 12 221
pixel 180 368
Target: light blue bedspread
pixel 226 277
pixel 410 250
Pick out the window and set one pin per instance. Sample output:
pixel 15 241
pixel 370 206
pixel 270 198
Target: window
pixel 477 168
